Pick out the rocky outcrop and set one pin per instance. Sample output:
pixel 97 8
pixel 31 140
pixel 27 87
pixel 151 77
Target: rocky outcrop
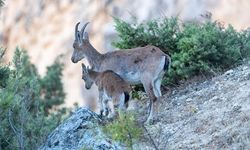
pixel 213 114
pixel 79 132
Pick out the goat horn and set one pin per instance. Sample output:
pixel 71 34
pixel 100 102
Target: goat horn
pixel 83 28
pixel 76 30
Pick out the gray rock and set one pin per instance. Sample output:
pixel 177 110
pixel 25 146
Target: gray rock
pixel 214 117
pixel 189 100
pixel 229 72
pixel 80 131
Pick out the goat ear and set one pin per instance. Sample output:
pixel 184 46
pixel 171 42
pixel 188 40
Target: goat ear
pixel 83 67
pixel 85 36
pixel 92 67
pixel 88 68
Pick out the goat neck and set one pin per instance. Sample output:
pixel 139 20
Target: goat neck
pixel 93 56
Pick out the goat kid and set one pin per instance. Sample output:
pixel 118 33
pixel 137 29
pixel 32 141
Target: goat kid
pixel 112 88
pixel 145 65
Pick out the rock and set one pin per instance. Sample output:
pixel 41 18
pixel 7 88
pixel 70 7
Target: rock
pixel 214 117
pixel 80 131
pixel 133 105
pixel 245 68
pixel 228 72
pixel 189 100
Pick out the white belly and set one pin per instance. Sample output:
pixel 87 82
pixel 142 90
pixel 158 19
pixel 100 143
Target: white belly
pixel 132 78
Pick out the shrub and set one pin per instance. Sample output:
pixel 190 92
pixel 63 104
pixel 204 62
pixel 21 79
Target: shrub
pixel 195 48
pixel 52 87
pixel 124 129
pixel 24 97
pixel 1 3
pixel 152 32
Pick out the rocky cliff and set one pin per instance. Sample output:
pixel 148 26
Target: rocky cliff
pixel 212 114
pixel 81 131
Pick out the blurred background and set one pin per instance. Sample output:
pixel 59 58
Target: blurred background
pixel 45 28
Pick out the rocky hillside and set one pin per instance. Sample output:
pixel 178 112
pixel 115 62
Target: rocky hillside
pixel 213 114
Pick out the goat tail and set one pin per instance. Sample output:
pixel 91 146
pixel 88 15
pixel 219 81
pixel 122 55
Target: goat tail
pixel 167 63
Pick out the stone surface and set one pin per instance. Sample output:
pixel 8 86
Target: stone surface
pixel 217 117
pixel 80 131
pixel 213 114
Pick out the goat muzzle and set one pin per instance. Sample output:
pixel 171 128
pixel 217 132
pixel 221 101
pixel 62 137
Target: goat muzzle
pixel 73 60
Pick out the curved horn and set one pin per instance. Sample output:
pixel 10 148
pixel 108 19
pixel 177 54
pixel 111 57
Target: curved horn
pixel 83 28
pixel 76 30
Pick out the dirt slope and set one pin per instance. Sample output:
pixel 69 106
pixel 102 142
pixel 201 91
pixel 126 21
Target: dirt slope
pixel 214 114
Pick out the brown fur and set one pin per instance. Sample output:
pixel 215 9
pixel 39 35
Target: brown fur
pixel 109 81
pixel 110 85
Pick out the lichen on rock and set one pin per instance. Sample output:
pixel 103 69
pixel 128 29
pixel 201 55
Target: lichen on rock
pixel 80 131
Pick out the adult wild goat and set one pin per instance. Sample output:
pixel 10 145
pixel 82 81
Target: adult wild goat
pixel 145 65
pixel 112 88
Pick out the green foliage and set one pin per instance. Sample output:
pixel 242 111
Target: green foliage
pixel 52 87
pixel 4 70
pixel 1 3
pixel 150 33
pixel 124 129
pixel 195 48
pixel 24 112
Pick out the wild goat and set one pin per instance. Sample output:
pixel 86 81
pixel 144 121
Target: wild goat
pixel 112 88
pixel 145 65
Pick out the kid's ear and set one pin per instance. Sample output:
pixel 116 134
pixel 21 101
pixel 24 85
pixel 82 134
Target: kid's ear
pixel 83 66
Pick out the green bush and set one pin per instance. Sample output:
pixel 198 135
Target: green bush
pixel 1 3
pixel 52 86
pixel 152 32
pixel 124 129
pixel 26 101
pixel 195 48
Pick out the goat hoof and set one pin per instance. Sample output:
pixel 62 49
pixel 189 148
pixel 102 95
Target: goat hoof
pixel 105 113
pixel 102 114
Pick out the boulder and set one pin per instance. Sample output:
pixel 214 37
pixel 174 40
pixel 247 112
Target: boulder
pixel 82 130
